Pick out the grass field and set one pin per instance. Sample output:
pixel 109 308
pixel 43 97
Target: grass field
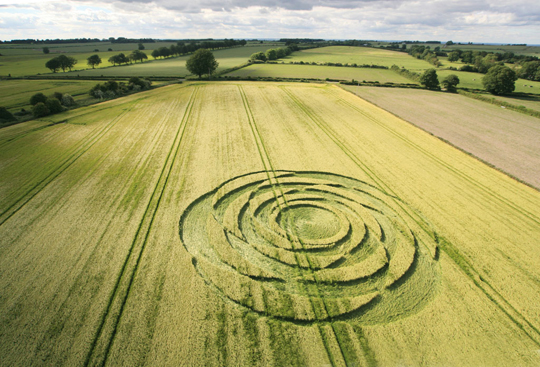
pixel 259 224
pixel 359 55
pixel 474 81
pixel 319 72
pixel 506 139
pixel 15 94
pixel 22 64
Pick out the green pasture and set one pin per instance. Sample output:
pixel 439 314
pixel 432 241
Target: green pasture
pixel 175 66
pixel 474 81
pixel 15 94
pixel 359 55
pixel 23 64
pixel 319 72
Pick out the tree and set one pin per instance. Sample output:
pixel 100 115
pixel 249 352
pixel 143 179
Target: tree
pixel 66 62
pixel 500 79
pixel 53 64
pixel 93 61
pixel 429 79
pixel 450 82
pixel 40 110
pixel 5 115
pixel 155 54
pixel 271 54
pixel 53 105
pixel 141 46
pixel 37 98
pixel 138 55
pixel 258 56
pixel 453 56
pixel 46 50
pixel 202 62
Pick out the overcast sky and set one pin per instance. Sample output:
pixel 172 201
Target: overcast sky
pixel 510 21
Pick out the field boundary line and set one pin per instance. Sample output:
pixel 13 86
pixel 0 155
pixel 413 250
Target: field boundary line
pixel 101 345
pixel 455 254
pixel 482 187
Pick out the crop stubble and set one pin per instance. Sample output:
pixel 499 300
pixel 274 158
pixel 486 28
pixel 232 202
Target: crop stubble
pixel 102 239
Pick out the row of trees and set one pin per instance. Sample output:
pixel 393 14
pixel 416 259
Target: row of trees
pixel 425 53
pixel 499 80
pixel 44 106
pixel 112 88
pixel 273 53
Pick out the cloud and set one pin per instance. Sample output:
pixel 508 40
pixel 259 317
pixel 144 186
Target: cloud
pixel 463 20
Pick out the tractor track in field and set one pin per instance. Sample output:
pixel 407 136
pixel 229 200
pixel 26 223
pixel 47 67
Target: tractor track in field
pixel 465 265
pixel 459 259
pixel 115 208
pixel 101 345
pixel 72 157
pixel 267 163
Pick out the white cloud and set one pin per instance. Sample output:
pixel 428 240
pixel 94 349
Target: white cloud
pixel 460 20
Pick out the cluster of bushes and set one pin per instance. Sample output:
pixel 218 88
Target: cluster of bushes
pixel 339 64
pixel 482 62
pixel 5 115
pixel 112 88
pixel 44 106
pixel 425 53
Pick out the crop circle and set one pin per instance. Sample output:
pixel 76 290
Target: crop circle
pixel 311 247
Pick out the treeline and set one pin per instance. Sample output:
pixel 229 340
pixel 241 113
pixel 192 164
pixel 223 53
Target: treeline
pixel 482 62
pixel 425 53
pixel 183 48
pixel 113 89
pixel 274 53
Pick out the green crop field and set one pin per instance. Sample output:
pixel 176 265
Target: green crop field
pixel 21 63
pixel 511 146
pixel 319 72
pixel 15 94
pixel 212 224
pixel 359 55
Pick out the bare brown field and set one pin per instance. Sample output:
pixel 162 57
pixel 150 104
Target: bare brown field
pixel 506 139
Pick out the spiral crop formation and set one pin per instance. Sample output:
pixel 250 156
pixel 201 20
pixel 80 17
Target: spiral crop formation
pixel 311 247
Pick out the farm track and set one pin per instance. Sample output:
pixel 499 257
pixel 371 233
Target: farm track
pixel 106 332
pixel 267 163
pixel 491 293
pixel 72 156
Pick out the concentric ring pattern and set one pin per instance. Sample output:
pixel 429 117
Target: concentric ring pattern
pixel 312 246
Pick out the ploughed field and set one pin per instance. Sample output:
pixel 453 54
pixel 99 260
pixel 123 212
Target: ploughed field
pixel 259 224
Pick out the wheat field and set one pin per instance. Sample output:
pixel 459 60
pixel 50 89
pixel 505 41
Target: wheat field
pixel 259 224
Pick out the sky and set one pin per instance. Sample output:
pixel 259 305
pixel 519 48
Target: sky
pixel 489 21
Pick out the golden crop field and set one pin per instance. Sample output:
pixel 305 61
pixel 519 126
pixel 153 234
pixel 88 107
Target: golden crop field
pixel 259 224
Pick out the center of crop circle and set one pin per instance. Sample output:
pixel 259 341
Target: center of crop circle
pixel 309 222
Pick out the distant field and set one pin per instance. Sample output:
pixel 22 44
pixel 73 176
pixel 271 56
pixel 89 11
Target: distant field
pixel 319 72
pixel 261 224
pixel 474 81
pixel 15 94
pixel 22 64
pixel 359 55
pixel 506 139
pixel 531 102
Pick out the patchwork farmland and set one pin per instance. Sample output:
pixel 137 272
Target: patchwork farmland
pixel 259 224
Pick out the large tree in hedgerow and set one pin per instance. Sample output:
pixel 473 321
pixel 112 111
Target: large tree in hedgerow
pixel 202 62
pixel 499 80
pixel 429 79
